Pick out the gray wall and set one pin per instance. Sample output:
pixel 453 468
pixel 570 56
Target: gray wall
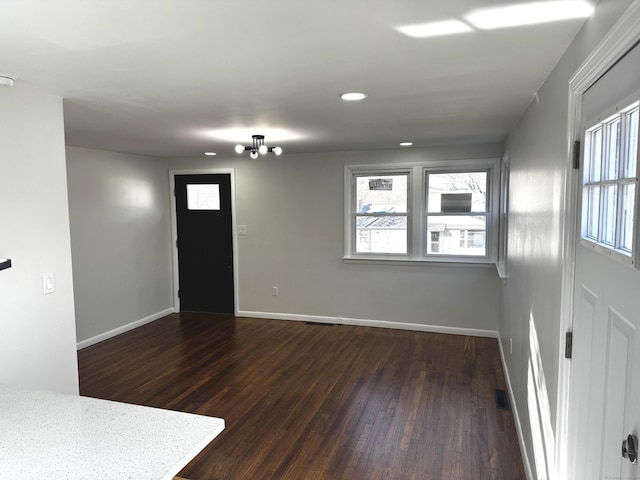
pixel 537 150
pixel 120 238
pixel 293 207
pixel 37 339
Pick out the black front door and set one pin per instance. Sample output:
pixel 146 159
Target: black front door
pixel 205 242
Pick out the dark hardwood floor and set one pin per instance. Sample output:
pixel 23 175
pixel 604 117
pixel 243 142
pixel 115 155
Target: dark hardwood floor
pixel 318 402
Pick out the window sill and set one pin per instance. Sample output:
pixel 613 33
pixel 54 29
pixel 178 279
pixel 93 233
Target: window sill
pixel 400 261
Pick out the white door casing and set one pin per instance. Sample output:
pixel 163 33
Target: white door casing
pixel 572 419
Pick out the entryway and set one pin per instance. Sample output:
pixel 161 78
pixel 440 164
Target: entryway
pixel 203 242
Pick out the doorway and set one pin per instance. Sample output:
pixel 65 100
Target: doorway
pixel 204 241
pixel 604 385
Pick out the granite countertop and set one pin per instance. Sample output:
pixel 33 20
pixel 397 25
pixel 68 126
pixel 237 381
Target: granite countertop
pixel 53 436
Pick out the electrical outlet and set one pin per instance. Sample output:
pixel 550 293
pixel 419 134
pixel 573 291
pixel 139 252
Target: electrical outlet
pixel 274 291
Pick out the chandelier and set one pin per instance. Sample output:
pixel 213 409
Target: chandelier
pixel 258 147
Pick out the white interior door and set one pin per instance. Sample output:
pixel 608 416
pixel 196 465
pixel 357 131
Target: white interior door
pixel 605 383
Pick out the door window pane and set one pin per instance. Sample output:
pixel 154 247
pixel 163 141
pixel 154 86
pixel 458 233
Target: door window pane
pixel 609 214
pixel 613 150
pixel 203 196
pixel 631 159
pixel 593 212
pixel 595 156
pixel 628 202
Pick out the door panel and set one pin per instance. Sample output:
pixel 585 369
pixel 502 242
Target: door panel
pixel 620 344
pixel 605 388
pixel 205 243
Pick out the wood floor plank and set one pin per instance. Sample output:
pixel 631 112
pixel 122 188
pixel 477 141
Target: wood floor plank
pixel 317 402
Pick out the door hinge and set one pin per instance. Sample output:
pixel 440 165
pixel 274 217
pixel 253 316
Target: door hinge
pixel 576 155
pixel 568 344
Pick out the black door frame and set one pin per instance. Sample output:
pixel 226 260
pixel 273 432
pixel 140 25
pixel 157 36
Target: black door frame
pixel 174 229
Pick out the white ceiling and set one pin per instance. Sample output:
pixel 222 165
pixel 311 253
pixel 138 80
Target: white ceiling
pixel 157 77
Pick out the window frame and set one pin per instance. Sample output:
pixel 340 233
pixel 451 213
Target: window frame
pixel 613 250
pixel 417 234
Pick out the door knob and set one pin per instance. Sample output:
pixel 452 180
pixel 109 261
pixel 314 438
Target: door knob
pixel 630 449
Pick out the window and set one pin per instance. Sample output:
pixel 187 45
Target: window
pixel 609 183
pixel 381 213
pixel 203 196
pixel 431 212
pixel 457 207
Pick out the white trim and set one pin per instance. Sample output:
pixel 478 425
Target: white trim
pixel 124 328
pixel 361 322
pixel 174 229
pixel 516 415
pixel 620 39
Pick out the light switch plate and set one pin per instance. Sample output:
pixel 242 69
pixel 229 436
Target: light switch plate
pixel 242 229
pixel 48 283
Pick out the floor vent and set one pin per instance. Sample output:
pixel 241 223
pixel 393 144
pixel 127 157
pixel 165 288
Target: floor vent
pixel 320 324
pixel 502 401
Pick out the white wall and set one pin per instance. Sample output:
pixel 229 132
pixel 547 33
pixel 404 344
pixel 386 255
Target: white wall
pixel 293 208
pixel 538 155
pixel 120 238
pixel 37 339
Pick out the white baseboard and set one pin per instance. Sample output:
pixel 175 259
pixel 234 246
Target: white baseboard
pixel 418 327
pixel 124 328
pixel 516 416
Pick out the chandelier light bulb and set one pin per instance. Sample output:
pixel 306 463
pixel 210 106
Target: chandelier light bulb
pixel 239 148
pixel 263 149
pixel 277 151
pixel 254 154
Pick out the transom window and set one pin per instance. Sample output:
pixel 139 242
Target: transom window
pixel 423 212
pixel 609 196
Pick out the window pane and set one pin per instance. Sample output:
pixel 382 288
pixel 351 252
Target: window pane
pixel 381 234
pixel 632 145
pixel 203 197
pixel 457 192
pixel 381 194
pixel 595 156
pixel 613 150
pixel 609 214
pixel 592 203
pixel 628 201
pixel 457 235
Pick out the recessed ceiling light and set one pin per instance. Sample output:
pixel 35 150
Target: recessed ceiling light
pixel 353 96
pixel 6 81
pixel 435 29
pixel 529 13
pixel 406 144
pixel 210 154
